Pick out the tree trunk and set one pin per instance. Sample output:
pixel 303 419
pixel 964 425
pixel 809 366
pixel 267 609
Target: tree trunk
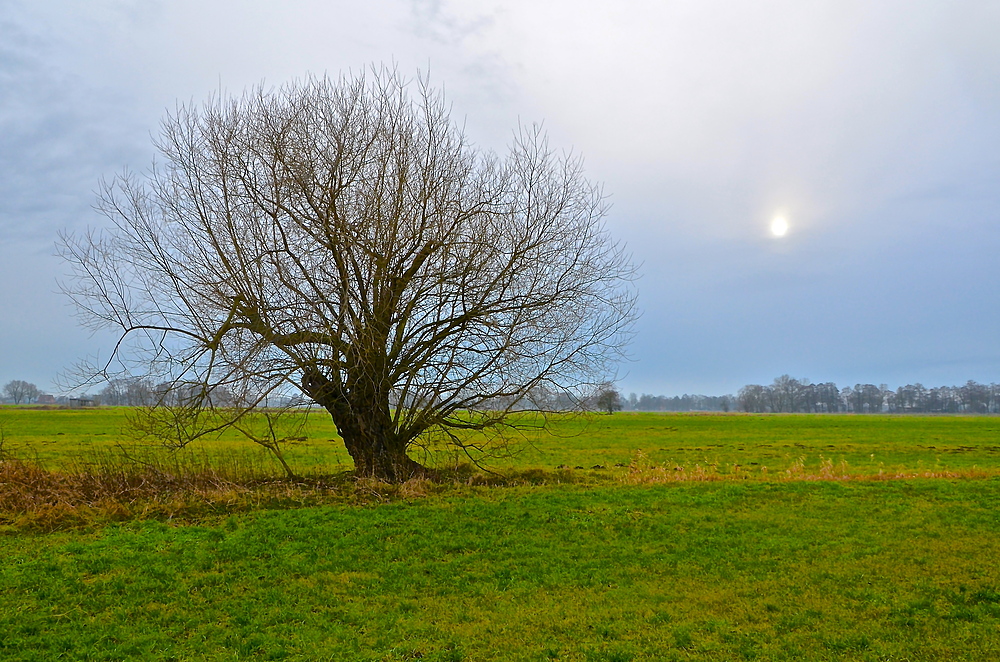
pixel 367 432
pixel 378 454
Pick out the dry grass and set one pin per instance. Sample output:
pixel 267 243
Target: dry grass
pixel 118 486
pixel 641 471
pixel 114 487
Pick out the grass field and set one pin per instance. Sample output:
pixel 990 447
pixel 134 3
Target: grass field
pixel 863 444
pixel 623 563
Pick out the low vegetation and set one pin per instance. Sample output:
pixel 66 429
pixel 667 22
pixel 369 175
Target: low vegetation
pixel 720 571
pixel 626 537
pixel 67 467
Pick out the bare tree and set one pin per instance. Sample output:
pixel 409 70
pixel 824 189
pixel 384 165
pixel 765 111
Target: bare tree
pixel 786 394
pixel 343 238
pixel 20 391
pixel 828 397
pixel 608 398
pixel 753 398
pixel 129 392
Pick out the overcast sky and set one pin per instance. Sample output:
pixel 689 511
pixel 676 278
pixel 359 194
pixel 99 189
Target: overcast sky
pixel 873 128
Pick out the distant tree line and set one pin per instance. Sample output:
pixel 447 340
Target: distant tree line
pixel 142 392
pixel 788 394
pixel 646 402
pixel 20 392
pixel 785 395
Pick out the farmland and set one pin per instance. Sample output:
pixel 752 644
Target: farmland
pixel 719 538
pixel 758 444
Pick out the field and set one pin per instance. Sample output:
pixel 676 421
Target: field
pixel 866 538
pixel 758 444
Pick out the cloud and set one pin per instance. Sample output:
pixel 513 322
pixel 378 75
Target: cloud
pixel 826 104
pixel 873 126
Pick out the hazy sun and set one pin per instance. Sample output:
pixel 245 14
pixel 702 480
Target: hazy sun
pixel 779 226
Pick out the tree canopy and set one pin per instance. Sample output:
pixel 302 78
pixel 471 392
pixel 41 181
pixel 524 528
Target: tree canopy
pixel 343 238
pixel 20 391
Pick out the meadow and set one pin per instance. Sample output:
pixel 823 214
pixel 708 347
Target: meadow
pixel 866 538
pixel 758 444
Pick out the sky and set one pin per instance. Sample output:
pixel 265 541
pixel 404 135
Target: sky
pixel 871 128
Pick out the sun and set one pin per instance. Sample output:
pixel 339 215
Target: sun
pixel 779 226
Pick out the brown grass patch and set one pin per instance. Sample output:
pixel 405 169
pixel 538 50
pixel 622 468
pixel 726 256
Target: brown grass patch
pixel 641 471
pixel 121 486
pixel 115 488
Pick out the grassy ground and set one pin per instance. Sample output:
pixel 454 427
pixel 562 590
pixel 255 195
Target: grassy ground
pixel 758 444
pixel 58 438
pixel 691 551
pixel 893 570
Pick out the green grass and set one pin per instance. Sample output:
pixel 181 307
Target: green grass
pixel 679 555
pixel 721 571
pixel 57 438
pixel 866 444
